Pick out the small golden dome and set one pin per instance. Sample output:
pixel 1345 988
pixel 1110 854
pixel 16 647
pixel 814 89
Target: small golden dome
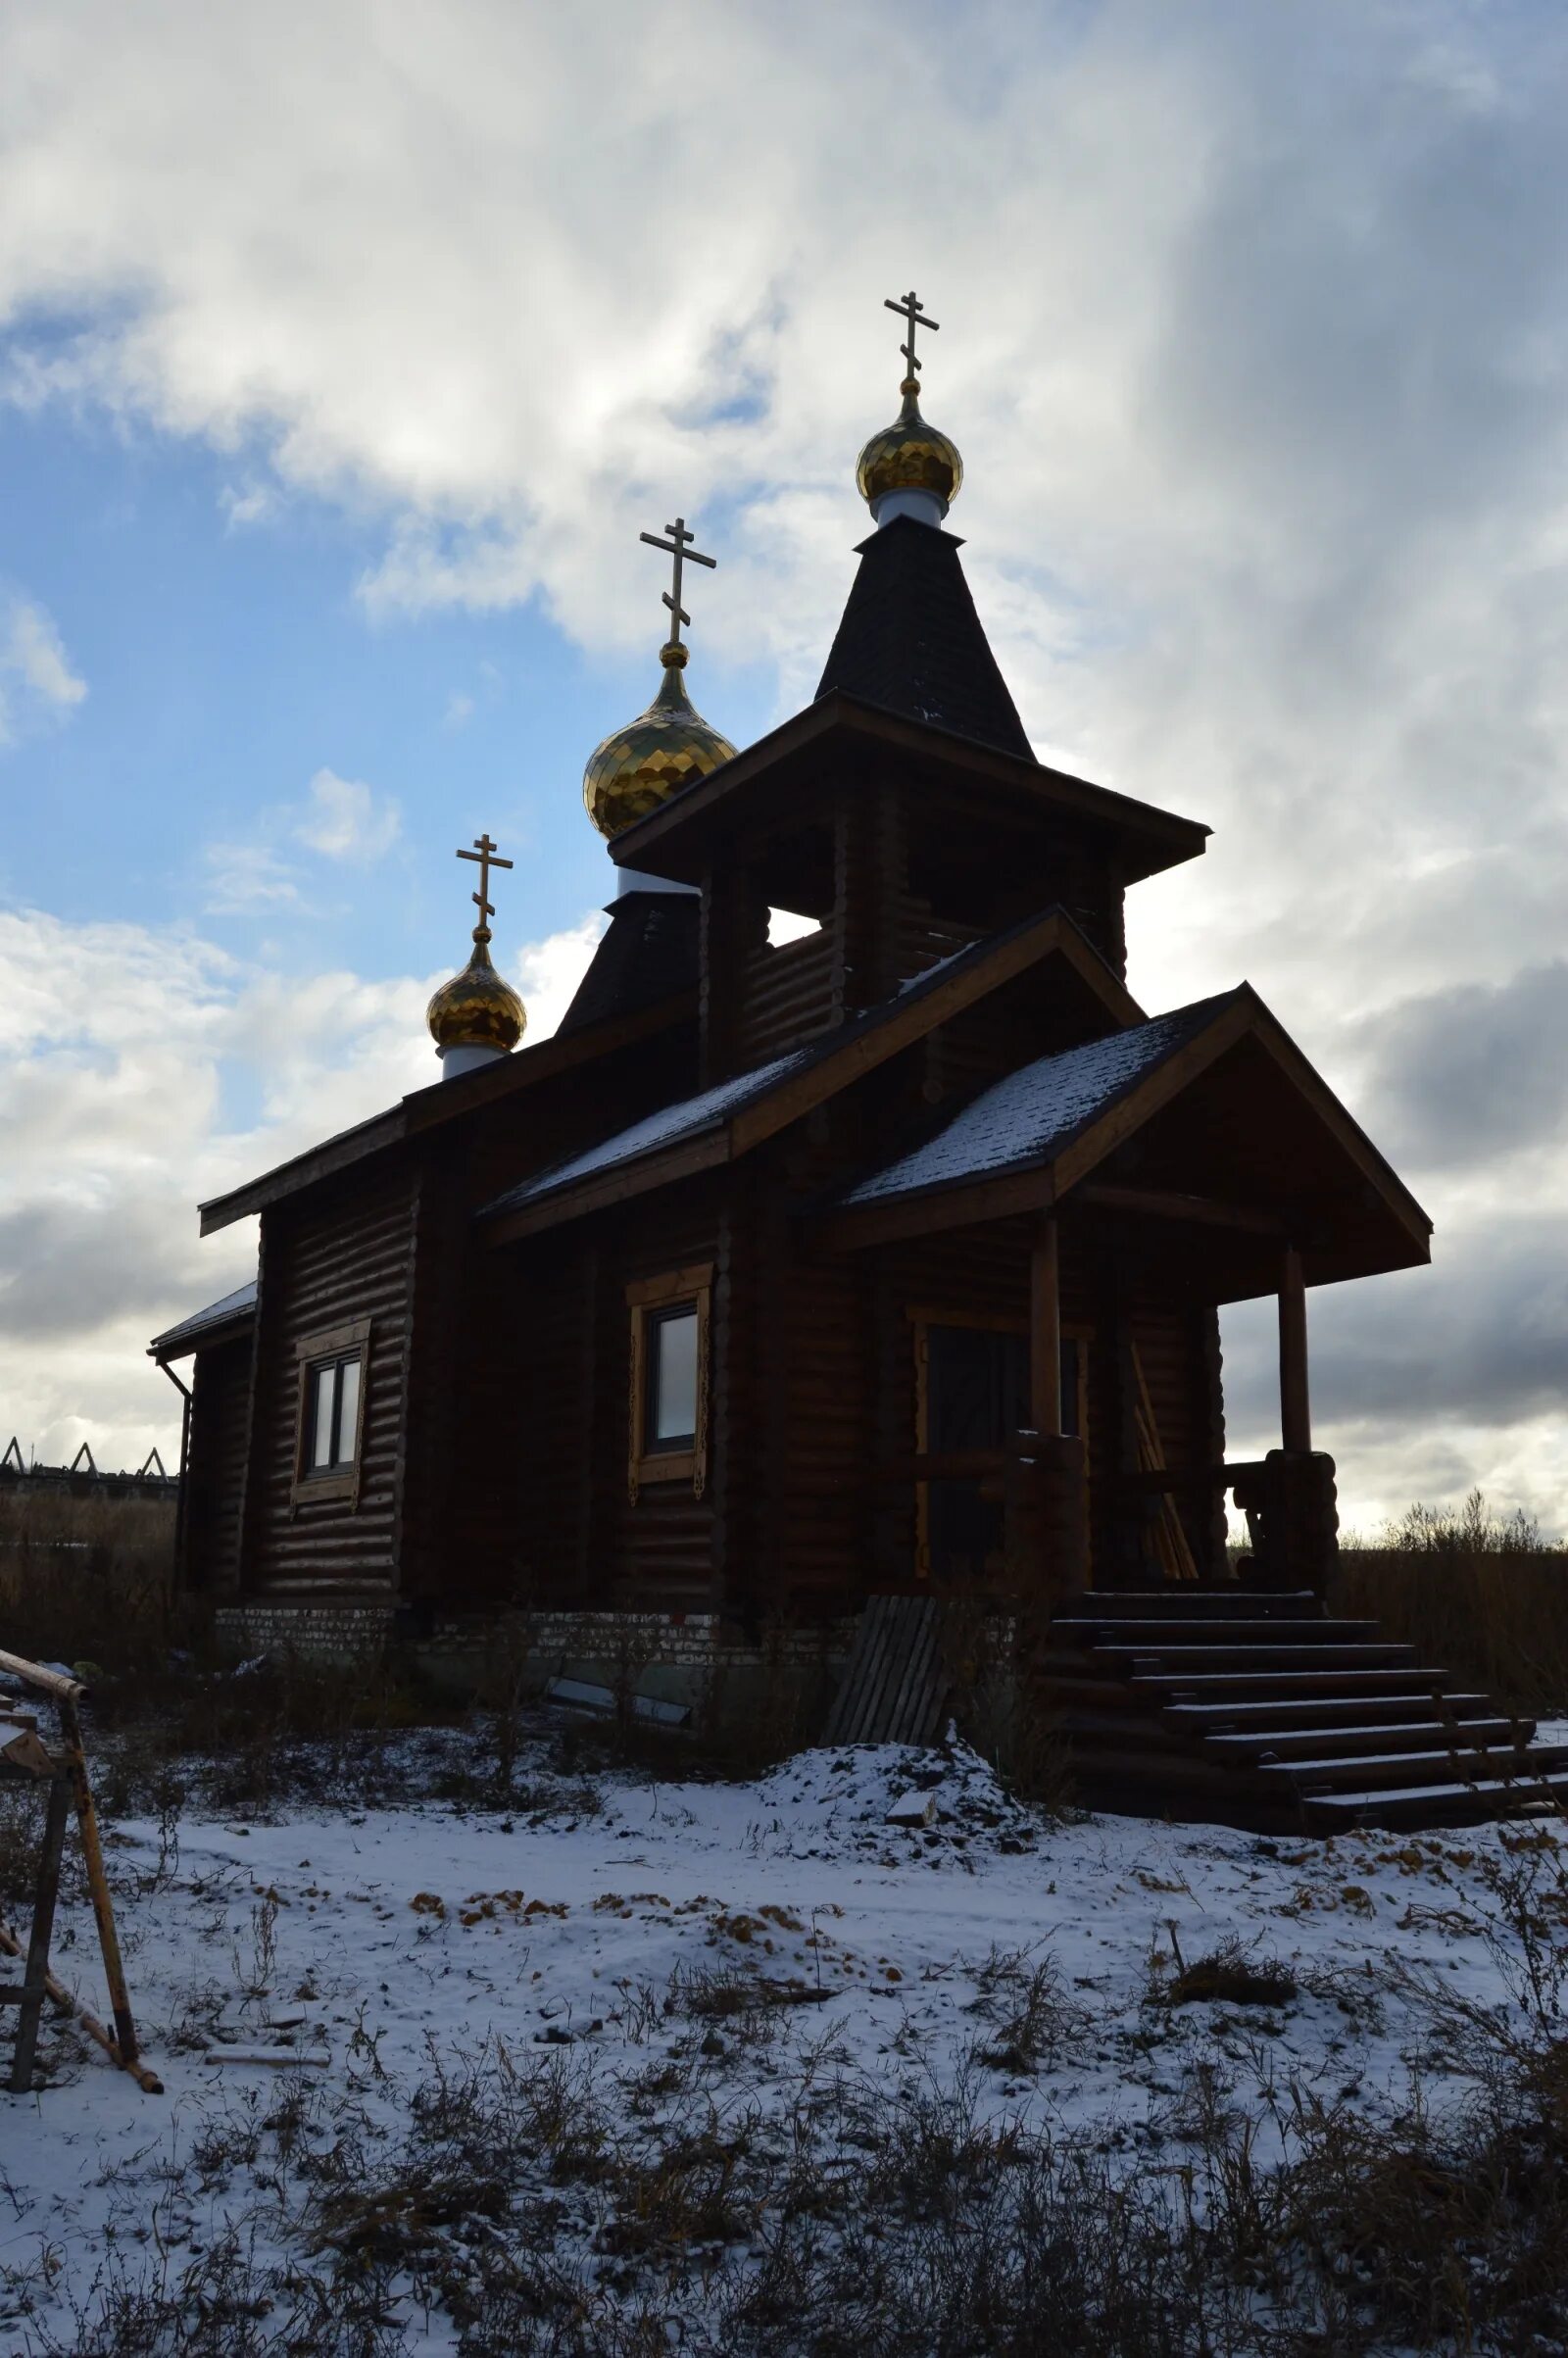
pixel 639 768
pixel 909 456
pixel 477 1009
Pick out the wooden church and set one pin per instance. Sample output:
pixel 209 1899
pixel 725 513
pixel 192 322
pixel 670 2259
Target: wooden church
pixel 882 1261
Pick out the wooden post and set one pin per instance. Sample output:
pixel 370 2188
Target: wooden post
pixel 97 1880
pixel 33 1988
pixel 1296 1406
pixel 1045 1329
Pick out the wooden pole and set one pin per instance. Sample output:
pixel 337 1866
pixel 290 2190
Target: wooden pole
pixel 97 1881
pixel 34 1987
pixel 1045 1329
pixel 1296 1405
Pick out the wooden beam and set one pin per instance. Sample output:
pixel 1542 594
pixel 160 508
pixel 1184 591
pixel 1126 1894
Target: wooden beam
pixel 1296 1407
pixel 1162 1203
pixel 1045 1327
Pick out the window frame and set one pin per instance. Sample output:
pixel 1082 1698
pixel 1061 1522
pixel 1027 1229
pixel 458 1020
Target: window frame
pixel 328 1347
pixel 648 1301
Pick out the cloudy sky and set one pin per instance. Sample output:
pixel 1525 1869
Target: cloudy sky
pixel 348 345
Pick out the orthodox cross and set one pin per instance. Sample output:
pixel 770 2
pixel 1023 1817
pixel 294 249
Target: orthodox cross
pixel 913 310
pixel 485 853
pixel 679 545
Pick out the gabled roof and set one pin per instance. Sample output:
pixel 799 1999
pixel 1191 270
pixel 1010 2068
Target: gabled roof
pixel 1028 1115
pixel 1026 1142
pixel 909 640
pixel 719 1124
pixel 677 839
pixel 234 1310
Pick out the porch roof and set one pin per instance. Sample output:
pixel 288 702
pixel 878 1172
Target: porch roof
pixel 1226 1128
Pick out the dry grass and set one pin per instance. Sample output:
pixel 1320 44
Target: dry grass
pixel 1476 1593
pixel 85 1577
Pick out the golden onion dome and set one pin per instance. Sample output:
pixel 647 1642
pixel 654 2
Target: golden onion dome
pixel 909 456
pixel 477 1009
pixel 639 768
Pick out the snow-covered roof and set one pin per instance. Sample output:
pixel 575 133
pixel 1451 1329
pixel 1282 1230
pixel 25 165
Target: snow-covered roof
pixel 686 1118
pixel 217 1313
pixel 689 1116
pixel 1028 1117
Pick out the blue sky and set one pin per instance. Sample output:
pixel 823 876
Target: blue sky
pixel 229 658
pixel 344 353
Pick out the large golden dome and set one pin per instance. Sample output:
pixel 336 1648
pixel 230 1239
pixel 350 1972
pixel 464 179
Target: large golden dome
pixel 638 768
pixel 477 1009
pixel 909 456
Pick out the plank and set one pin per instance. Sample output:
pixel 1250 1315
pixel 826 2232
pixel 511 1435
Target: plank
pixel 893 1686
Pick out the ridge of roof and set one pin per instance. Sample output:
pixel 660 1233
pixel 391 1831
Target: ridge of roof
pixel 911 640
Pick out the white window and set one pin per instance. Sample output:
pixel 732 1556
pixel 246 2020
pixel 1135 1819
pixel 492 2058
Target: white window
pixel 672 1378
pixel 334 1414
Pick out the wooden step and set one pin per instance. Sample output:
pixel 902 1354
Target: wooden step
pixel 1285 1686
pixel 1177 1603
pixel 1415 1768
pixel 1255 1659
pixel 1448 1804
pixel 1077 1629
pixel 1243 1716
pixel 1254 1746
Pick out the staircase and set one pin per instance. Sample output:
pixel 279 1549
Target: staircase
pixel 1250 1707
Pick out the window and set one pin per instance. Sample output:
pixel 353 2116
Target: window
pixel 671 1422
pixel 331 1412
pixel 668 1409
pixel 334 1414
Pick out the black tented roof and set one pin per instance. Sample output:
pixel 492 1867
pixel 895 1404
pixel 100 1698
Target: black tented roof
pixel 911 640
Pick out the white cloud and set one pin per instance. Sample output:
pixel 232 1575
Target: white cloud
pixel 118 1106
pixel 252 506
pixel 340 819
pixel 345 819
pixel 247 878
pixel 36 680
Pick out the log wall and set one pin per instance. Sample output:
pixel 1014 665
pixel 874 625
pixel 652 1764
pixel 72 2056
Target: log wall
pixel 344 1252
pixel 219 1419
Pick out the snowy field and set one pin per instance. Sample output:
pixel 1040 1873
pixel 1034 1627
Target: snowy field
pixel 649 1993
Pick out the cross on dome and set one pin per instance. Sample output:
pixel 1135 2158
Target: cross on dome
pixel 910 308
pixel 679 545
pixel 485 853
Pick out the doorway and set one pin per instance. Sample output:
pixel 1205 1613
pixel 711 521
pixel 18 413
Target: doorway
pixel 971 1397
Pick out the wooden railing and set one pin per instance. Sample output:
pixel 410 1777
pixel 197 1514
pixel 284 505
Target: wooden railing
pixel 1288 1499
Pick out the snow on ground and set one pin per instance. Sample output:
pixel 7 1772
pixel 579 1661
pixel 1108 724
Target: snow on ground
pixel 367 1939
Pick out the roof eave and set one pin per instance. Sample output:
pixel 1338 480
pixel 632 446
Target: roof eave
pixel 442 1100
pixel 173 1346
pixel 661 842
